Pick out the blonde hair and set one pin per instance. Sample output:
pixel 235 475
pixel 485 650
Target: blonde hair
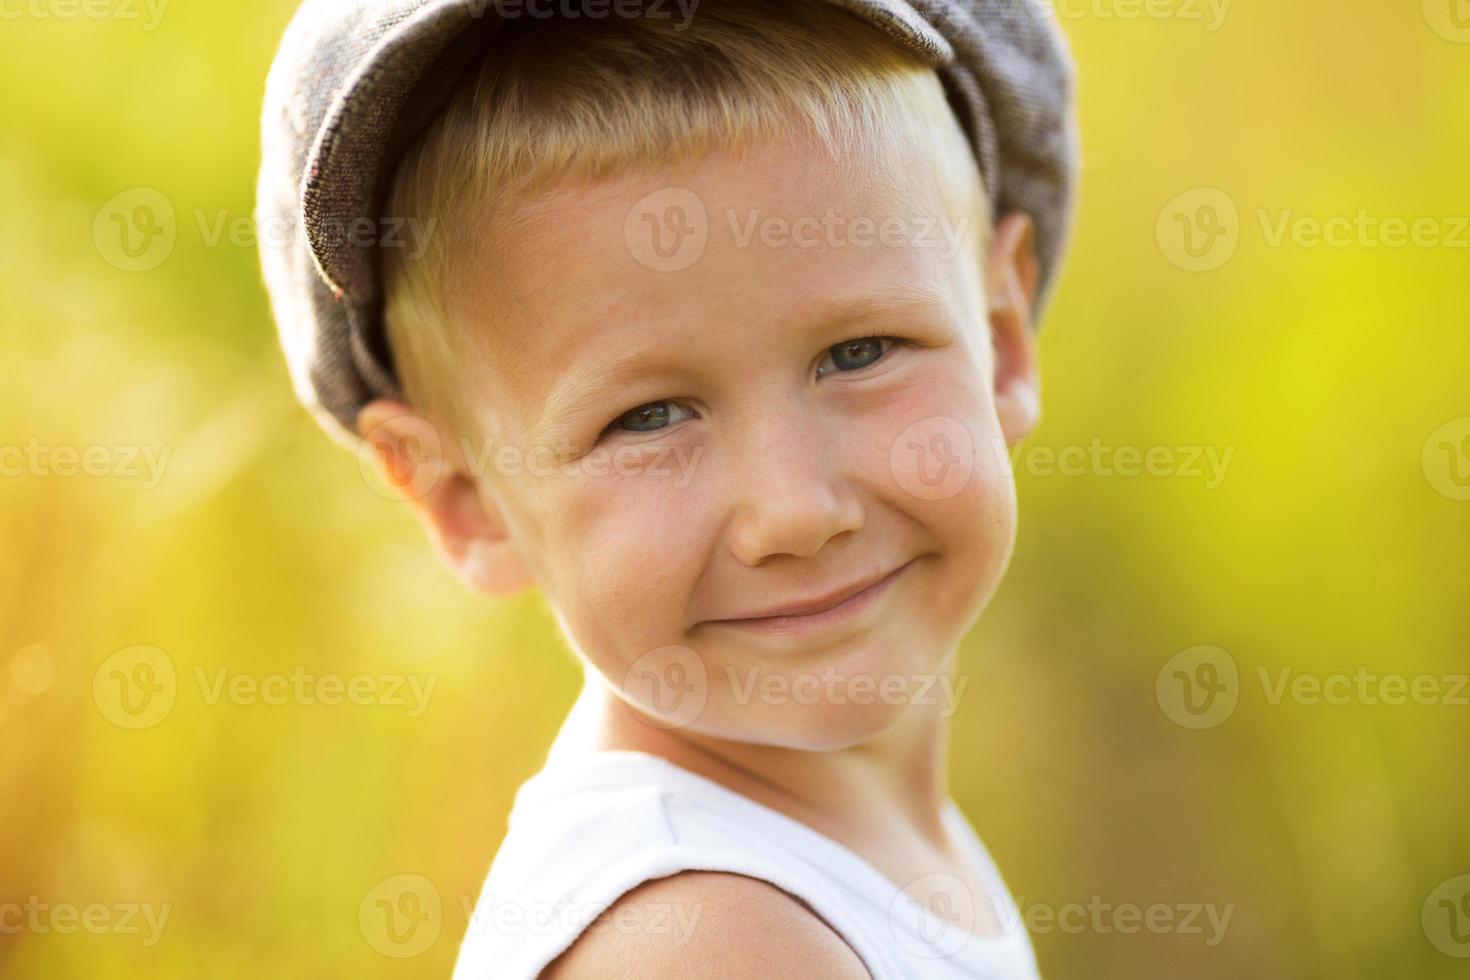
pixel 566 101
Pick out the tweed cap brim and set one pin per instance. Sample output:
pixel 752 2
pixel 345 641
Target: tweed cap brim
pixel 354 80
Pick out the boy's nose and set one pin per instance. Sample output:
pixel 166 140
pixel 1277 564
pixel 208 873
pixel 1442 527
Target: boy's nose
pixel 790 498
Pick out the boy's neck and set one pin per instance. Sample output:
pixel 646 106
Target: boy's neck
pixel 893 784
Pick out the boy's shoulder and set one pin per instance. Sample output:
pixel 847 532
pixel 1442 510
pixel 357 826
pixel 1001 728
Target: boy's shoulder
pixel 622 863
pixel 624 857
pixel 701 923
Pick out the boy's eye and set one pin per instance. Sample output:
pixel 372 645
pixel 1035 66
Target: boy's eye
pixel 850 355
pixel 854 355
pixel 651 417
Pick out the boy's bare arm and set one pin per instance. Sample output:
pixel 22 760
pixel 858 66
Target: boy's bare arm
pixel 707 924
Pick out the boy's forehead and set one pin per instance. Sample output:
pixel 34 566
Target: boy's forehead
pixel 589 279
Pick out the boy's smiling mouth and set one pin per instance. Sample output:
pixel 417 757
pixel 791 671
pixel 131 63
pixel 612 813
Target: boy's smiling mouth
pixel 820 613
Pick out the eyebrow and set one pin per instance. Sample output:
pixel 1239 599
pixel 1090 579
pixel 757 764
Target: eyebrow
pixel 571 398
pixel 574 396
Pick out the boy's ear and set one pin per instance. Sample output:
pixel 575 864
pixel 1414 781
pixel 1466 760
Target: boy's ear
pixel 1011 277
pixel 413 456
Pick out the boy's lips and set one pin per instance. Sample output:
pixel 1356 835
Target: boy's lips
pixel 820 610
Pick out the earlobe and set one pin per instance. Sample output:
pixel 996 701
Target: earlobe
pixel 1011 276
pixel 470 536
pixel 494 568
pixel 473 539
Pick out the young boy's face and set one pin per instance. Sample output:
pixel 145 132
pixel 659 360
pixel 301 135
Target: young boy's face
pixel 762 469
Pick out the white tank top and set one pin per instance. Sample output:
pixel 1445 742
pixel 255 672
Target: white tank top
pixel 588 828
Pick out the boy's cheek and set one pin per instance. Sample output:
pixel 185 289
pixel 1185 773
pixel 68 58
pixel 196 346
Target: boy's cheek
pixel 971 515
pixel 626 567
pixel 941 442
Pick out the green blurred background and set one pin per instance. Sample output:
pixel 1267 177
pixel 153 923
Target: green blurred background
pixel 1336 541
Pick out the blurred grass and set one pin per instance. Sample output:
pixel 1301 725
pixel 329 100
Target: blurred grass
pixel 262 827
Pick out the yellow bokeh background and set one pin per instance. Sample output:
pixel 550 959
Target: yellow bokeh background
pixel 1334 375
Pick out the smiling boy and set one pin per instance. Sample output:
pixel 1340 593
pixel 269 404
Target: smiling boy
pixel 753 780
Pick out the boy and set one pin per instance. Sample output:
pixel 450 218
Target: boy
pixel 702 327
